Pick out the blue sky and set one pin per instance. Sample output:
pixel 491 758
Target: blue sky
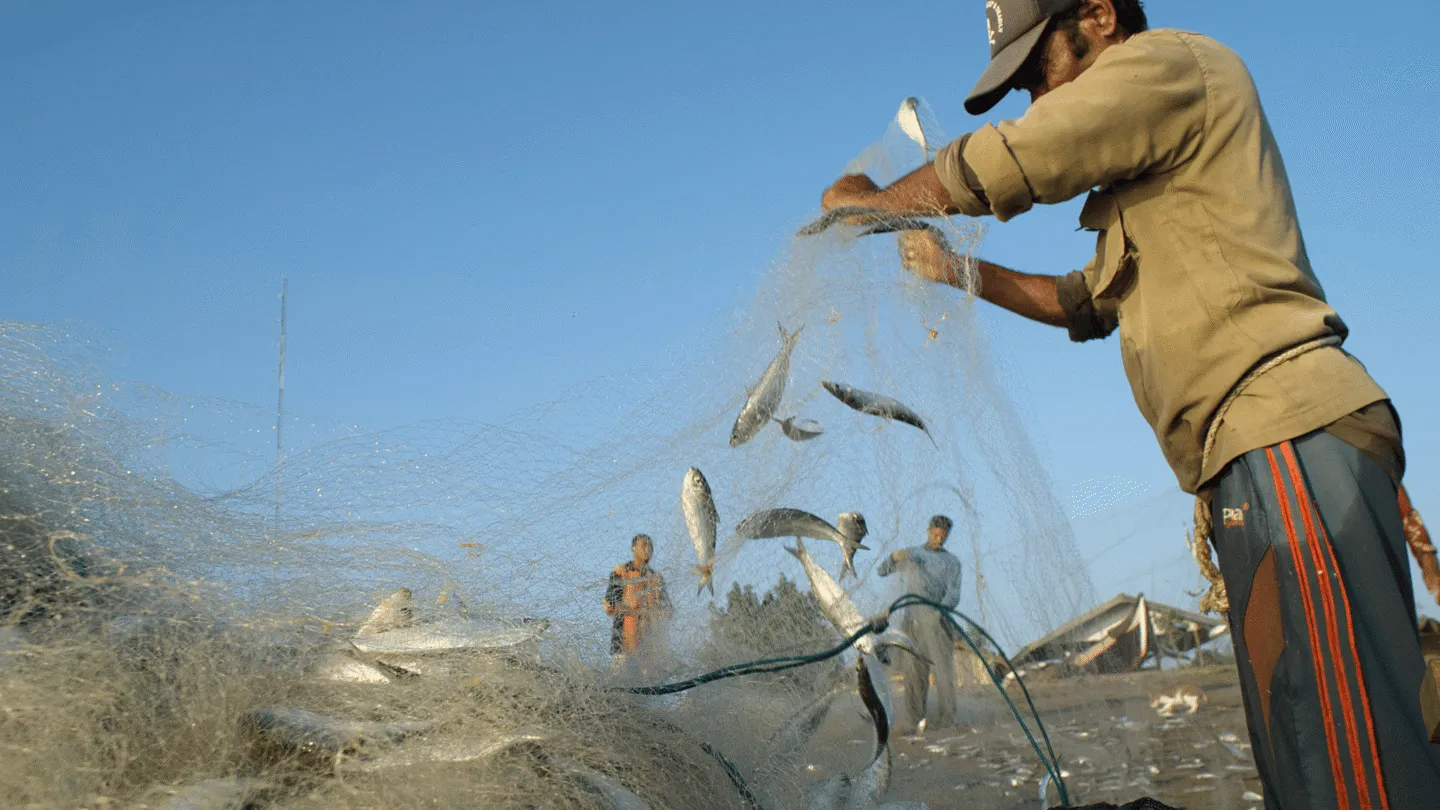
pixel 479 206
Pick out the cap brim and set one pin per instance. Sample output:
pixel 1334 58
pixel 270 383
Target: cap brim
pixel 995 81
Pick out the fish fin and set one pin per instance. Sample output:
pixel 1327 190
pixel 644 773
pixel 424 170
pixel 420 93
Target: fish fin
pixel 794 552
pixel 931 438
pixel 861 547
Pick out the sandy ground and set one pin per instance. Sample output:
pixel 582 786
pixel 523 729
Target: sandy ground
pixel 1112 746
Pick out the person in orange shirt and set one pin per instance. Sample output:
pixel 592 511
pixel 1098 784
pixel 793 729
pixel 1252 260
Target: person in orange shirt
pixel 636 599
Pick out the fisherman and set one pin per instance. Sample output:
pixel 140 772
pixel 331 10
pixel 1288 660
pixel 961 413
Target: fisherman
pixel 1233 357
pixel 1418 537
pixel 934 573
pixel 636 598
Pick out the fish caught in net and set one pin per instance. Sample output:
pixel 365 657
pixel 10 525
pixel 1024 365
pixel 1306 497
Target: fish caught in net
pixel 414 617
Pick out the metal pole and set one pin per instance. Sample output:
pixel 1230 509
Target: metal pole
pixel 280 402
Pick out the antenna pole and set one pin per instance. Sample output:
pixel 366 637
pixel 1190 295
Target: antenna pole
pixel 280 402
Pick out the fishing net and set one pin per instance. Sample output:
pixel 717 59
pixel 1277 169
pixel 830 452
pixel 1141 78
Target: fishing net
pixel 180 613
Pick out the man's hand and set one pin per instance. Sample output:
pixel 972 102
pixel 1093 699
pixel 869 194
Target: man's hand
pixel 924 253
pixel 852 189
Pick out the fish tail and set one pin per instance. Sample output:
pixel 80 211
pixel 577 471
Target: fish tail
pixel 705 572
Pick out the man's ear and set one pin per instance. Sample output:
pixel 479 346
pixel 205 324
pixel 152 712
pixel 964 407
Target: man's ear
pixel 1100 17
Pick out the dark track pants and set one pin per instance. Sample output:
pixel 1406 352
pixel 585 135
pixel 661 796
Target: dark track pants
pixel 1309 539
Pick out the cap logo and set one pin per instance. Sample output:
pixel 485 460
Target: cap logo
pixel 994 20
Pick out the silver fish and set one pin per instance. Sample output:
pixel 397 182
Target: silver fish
pixel 234 793
pixel 320 736
pixel 453 751
pixel 876 405
pixel 342 668
pixel 765 397
pixel 784 745
pixel 836 606
pixel 700 520
pixel 613 795
pixel 863 790
pixel 785 522
pixel 394 611
pixel 856 215
pixel 447 635
pixel 909 120
pixel 800 430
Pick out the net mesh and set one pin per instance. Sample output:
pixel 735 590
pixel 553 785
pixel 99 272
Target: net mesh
pixel 170 597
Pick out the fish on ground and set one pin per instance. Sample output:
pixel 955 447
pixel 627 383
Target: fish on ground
pixel 876 405
pixel 698 505
pixel 765 397
pixel 786 522
pixel 837 607
pixel 800 430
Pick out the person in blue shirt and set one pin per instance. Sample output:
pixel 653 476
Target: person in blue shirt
pixel 934 573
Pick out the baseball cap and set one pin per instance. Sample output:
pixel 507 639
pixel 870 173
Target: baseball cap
pixel 1015 28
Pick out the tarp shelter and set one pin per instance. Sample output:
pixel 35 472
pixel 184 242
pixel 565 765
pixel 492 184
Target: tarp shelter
pixel 1120 636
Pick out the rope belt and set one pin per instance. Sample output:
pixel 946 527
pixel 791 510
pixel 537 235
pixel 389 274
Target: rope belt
pixel 1215 599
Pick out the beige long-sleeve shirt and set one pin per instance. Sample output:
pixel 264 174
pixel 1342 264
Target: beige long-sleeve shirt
pixel 1199 258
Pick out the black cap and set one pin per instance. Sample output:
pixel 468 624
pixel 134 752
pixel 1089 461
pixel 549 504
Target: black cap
pixel 1015 27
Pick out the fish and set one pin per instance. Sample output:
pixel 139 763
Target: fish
pixel 700 520
pixel 321 737
pixel 857 215
pixel 909 120
pixel 785 745
pixel 344 669
pixel 876 405
pixel 786 522
pixel 451 752
pixel 394 611
pixel 837 607
pixel 863 790
pixel 764 398
pixel 235 793
pixel 449 635
pixel 614 796
pixel 801 430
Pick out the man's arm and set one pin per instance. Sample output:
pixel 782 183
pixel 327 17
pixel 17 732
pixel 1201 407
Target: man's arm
pixel 614 591
pixel 919 193
pixel 1035 297
pixel 1141 108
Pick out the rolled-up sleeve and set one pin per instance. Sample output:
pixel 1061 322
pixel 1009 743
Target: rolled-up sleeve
pixel 1085 319
pixel 1139 109
pixel 950 166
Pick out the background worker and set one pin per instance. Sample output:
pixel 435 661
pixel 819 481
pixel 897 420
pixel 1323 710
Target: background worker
pixel 932 572
pixel 1233 356
pixel 636 598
